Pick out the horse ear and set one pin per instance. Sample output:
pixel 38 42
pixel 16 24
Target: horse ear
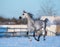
pixel 24 11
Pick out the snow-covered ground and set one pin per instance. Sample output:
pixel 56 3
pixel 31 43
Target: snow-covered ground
pixel 25 42
pixel 51 41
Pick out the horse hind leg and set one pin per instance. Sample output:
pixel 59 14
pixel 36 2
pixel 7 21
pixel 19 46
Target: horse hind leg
pixel 44 38
pixel 37 39
pixel 44 35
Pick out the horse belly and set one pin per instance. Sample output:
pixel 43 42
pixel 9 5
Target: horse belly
pixel 38 33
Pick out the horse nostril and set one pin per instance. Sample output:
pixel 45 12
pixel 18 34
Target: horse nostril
pixel 20 17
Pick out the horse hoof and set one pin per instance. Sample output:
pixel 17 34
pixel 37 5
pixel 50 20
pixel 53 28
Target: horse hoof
pixel 44 39
pixel 38 40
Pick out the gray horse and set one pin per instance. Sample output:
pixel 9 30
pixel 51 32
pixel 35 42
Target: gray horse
pixel 37 26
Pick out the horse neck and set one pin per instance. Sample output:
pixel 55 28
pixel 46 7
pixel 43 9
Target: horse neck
pixel 30 20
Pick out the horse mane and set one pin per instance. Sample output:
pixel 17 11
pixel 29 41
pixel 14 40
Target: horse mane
pixel 31 15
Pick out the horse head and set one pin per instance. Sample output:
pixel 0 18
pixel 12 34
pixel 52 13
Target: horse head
pixel 25 15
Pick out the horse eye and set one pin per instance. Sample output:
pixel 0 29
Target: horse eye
pixel 22 14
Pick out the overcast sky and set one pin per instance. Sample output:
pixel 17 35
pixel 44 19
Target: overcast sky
pixel 14 8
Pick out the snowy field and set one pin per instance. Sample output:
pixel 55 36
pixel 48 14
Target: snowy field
pixel 25 42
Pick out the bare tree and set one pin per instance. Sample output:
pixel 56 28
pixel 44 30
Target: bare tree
pixel 48 9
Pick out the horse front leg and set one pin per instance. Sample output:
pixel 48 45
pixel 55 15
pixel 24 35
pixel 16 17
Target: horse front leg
pixel 27 33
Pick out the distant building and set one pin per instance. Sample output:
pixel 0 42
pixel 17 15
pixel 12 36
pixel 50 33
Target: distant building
pixel 53 25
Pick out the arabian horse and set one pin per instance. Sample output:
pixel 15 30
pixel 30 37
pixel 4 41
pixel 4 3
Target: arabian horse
pixel 37 26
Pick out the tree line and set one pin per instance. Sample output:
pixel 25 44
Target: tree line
pixel 16 21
